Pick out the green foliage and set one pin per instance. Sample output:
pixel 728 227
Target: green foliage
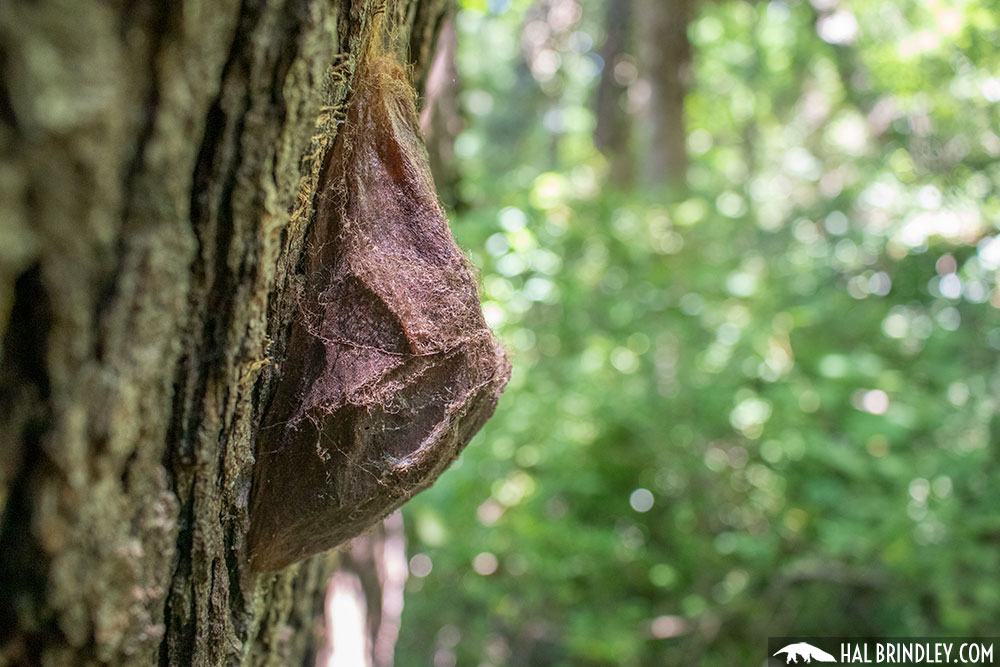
pixel 764 406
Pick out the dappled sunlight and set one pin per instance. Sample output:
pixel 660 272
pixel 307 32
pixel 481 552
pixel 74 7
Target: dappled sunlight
pixel 758 402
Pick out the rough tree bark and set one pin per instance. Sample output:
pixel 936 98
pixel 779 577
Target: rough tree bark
pixel 152 156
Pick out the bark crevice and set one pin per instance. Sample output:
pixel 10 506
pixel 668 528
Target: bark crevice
pixel 156 150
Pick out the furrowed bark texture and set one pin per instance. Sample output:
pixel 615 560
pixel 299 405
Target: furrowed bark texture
pixel 157 161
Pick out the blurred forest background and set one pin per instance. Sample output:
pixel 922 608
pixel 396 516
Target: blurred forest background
pixel 744 256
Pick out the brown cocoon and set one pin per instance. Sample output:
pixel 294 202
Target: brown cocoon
pixel 390 369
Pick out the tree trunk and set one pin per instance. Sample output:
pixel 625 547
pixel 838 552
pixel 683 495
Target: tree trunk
pixel 157 165
pixel 613 132
pixel 441 119
pixel 665 62
pixel 365 599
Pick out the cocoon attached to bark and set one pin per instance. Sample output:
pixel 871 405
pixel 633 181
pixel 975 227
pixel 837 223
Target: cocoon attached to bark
pixel 390 368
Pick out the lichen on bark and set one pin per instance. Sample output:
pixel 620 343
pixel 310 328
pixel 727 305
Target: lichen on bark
pixel 150 155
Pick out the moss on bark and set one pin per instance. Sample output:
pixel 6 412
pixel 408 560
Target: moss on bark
pixel 151 157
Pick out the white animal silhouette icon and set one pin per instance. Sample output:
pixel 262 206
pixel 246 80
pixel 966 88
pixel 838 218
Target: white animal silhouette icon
pixel 807 652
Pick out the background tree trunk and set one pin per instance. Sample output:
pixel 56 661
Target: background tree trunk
pixel 613 132
pixel 441 119
pixel 365 599
pixel 665 63
pixel 156 159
